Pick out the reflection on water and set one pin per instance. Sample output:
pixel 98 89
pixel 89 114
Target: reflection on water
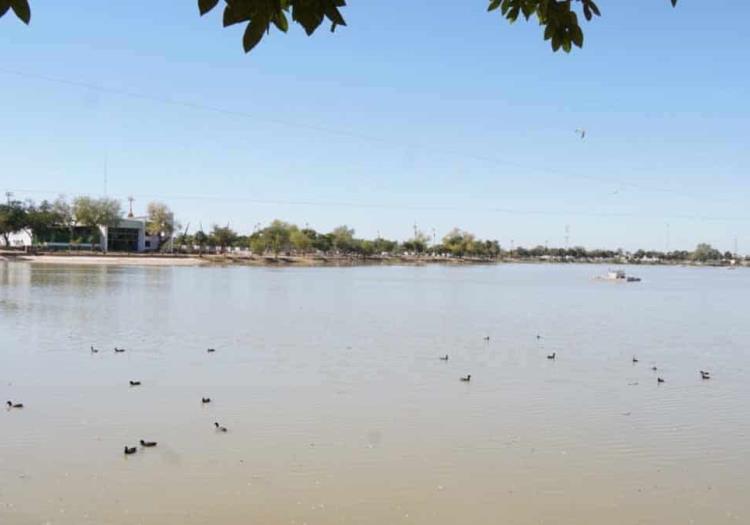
pixel 339 410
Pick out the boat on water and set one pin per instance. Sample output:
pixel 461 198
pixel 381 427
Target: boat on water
pixel 619 276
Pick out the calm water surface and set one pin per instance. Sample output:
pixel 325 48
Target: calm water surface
pixel 339 410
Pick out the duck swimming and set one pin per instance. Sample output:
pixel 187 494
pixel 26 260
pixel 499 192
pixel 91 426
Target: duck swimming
pixel 94 350
pixel 11 404
pixel 705 375
pixel 444 357
pixel 148 443
pixel 119 350
pixel 467 378
pixel 211 350
pixel 487 338
pixel 553 355
pixel 635 359
pixel 205 400
pixel 659 380
pixel 135 383
pixel 219 427
pixel 130 450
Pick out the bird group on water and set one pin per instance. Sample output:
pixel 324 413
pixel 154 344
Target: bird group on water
pixel 128 450
pixel 705 375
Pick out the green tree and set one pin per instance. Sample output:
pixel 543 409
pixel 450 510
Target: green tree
pixel 43 220
pixel 417 244
pixel 559 18
pixel 13 219
pixel 201 239
pixel 93 213
pixel 223 236
pixel 160 221
pixel 343 239
pixel 460 243
pixel 705 252
pixel 300 240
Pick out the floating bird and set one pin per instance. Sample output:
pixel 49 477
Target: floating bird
pixel 444 357
pixel 705 375
pixel 211 350
pixel 205 400
pixel 219 427
pixel 119 350
pixel 135 383
pixel 94 350
pixel 659 380
pixel 654 368
pixel 581 132
pixel 148 443
pixel 538 336
pixel 635 359
pixel 130 450
pixel 11 404
pixel 467 378
pixel 553 355
pixel 487 338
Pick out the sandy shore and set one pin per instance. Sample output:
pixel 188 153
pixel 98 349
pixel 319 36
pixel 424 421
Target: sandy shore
pixel 114 260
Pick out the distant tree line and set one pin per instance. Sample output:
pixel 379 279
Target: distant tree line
pixel 75 222
pixel 78 222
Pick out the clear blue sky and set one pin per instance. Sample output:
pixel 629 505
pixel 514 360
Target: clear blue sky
pixel 431 111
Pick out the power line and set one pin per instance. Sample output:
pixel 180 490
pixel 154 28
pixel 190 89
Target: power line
pixel 405 207
pixel 335 132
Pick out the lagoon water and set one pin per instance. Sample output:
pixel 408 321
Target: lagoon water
pixel 339 410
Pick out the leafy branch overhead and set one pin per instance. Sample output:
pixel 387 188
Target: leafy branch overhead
pixel 558 17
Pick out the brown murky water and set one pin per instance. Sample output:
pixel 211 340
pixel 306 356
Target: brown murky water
pixel 339 410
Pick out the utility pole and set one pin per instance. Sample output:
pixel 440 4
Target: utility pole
pixel 567 236
pixel 130 204
pixel 8 195
pixel 105 174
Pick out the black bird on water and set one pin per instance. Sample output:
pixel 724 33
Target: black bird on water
pixel 553 355
pixel 210 350
pixel 205 400
pixel 659 380
pixel 467 378
pixel 654 368
pixel 135 383
pixel 705 375
pixel 148 443
pixel 11 404
pixel 119 350
pixel 487 338
pixel 219 427
pixel 635 359
pixel 444 357
pixel 94 350
pixel 130 450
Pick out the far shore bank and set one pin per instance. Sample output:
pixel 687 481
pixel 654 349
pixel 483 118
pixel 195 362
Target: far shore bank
pixel 88 258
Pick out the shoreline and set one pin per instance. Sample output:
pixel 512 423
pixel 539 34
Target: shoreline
pixel 87 259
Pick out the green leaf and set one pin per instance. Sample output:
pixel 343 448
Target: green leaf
pixel 204 6
pixel 234 15
pixel 281 22
pixel 22 10
pixel 253 35
pixel 4 6
pixel 576 35
pixel 494 4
